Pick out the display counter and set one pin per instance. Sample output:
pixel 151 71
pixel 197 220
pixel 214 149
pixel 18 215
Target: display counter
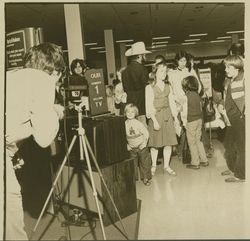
pixel 75 187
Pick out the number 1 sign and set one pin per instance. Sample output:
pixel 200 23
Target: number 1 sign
pixel 97 94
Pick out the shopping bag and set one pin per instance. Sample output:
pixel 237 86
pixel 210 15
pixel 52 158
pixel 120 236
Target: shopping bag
pixel 208 110
pixel 186 155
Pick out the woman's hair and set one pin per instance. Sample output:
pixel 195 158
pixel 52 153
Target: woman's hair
pixel 190 83
pixel 131 107
pixel 152 76
pixel 74 64
pixel 234 60
pixel 47 57
pixel 161 57
pixel 181 54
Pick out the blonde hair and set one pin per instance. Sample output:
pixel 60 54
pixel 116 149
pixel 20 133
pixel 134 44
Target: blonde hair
pixel 131 107
pixel 234 60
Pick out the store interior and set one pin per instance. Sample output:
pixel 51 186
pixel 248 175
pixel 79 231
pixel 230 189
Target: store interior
pixel 191 205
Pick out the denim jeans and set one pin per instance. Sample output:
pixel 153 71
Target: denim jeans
pixel 142 159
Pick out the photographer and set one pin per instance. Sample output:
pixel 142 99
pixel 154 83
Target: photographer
pixel 30 111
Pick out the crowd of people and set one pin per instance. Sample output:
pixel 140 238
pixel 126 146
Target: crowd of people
pixel 161 108
pixel 169 101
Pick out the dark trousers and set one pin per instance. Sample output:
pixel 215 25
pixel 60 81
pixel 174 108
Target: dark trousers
pixel 142 159
pixel 121 107
pixel 235 147
pixel 230 153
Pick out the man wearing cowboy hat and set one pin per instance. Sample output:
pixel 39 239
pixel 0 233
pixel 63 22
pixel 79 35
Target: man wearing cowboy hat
pixel 135 77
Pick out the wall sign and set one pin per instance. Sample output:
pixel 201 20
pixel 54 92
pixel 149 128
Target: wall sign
pixel 205 77
pixel 97 94
pixel 15 49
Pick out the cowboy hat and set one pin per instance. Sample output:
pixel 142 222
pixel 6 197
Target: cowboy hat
pixel 137 48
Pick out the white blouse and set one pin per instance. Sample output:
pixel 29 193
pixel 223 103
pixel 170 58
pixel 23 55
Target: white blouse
pixel 175 78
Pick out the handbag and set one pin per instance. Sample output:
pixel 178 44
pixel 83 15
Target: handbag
pixel 186 155
pixel 208 110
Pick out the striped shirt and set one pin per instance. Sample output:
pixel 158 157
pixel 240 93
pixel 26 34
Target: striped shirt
pixel 237 91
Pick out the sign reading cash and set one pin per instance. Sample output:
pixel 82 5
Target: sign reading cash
pixel 15 49
pixel 97 94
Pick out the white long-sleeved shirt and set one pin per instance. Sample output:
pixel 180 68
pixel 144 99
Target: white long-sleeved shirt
pixel 30 96
pixel 137 134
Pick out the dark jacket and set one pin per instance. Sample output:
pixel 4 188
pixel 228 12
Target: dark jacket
pixel 134 80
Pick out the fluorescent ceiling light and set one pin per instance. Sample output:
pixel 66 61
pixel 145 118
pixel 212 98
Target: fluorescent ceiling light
pixel 224 37
pixel 90 44
pixel 161 37
pixel 241 31
pixel 158 46
pixel 189 43
pixel 161 42
pixel 217 41
pixel 128 45
pixel 242 39
pixel 191 40
pixel 97 48
pixel 124 41
pixel 103 51
pixel 197 34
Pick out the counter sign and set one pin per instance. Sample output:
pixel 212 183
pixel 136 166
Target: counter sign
pixel 97 93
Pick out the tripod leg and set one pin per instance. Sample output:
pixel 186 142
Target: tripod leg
pixel 104 183
pixel 92 183
pixel 54 184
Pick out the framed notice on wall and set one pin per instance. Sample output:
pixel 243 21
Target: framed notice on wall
pixel 97 94
pixel 206 79
pixel 15 49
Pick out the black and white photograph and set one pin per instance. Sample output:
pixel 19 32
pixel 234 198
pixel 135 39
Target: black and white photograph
pixel 124 120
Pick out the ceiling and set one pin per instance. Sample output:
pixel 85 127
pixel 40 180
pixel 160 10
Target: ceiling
pixel 137 21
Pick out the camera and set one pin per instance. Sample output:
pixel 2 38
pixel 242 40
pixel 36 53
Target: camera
pixel 77 91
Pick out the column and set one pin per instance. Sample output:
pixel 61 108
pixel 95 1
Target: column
pixel 74 33
pixel 235 38
pixel 110 54
pixel 122 54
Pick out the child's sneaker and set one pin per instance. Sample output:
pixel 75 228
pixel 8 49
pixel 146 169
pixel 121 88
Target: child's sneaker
pixel 146 182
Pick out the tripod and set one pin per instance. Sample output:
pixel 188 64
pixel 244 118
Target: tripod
pixel 84 149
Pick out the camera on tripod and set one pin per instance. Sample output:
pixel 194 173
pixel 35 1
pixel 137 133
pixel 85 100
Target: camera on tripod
pixel 77 92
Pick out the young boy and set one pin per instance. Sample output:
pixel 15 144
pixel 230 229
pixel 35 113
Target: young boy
pixel 137 138
pixel 192 120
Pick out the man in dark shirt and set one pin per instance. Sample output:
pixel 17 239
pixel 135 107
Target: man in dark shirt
pixel 135 78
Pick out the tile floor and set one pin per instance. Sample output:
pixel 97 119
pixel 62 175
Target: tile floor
pixel 196 204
